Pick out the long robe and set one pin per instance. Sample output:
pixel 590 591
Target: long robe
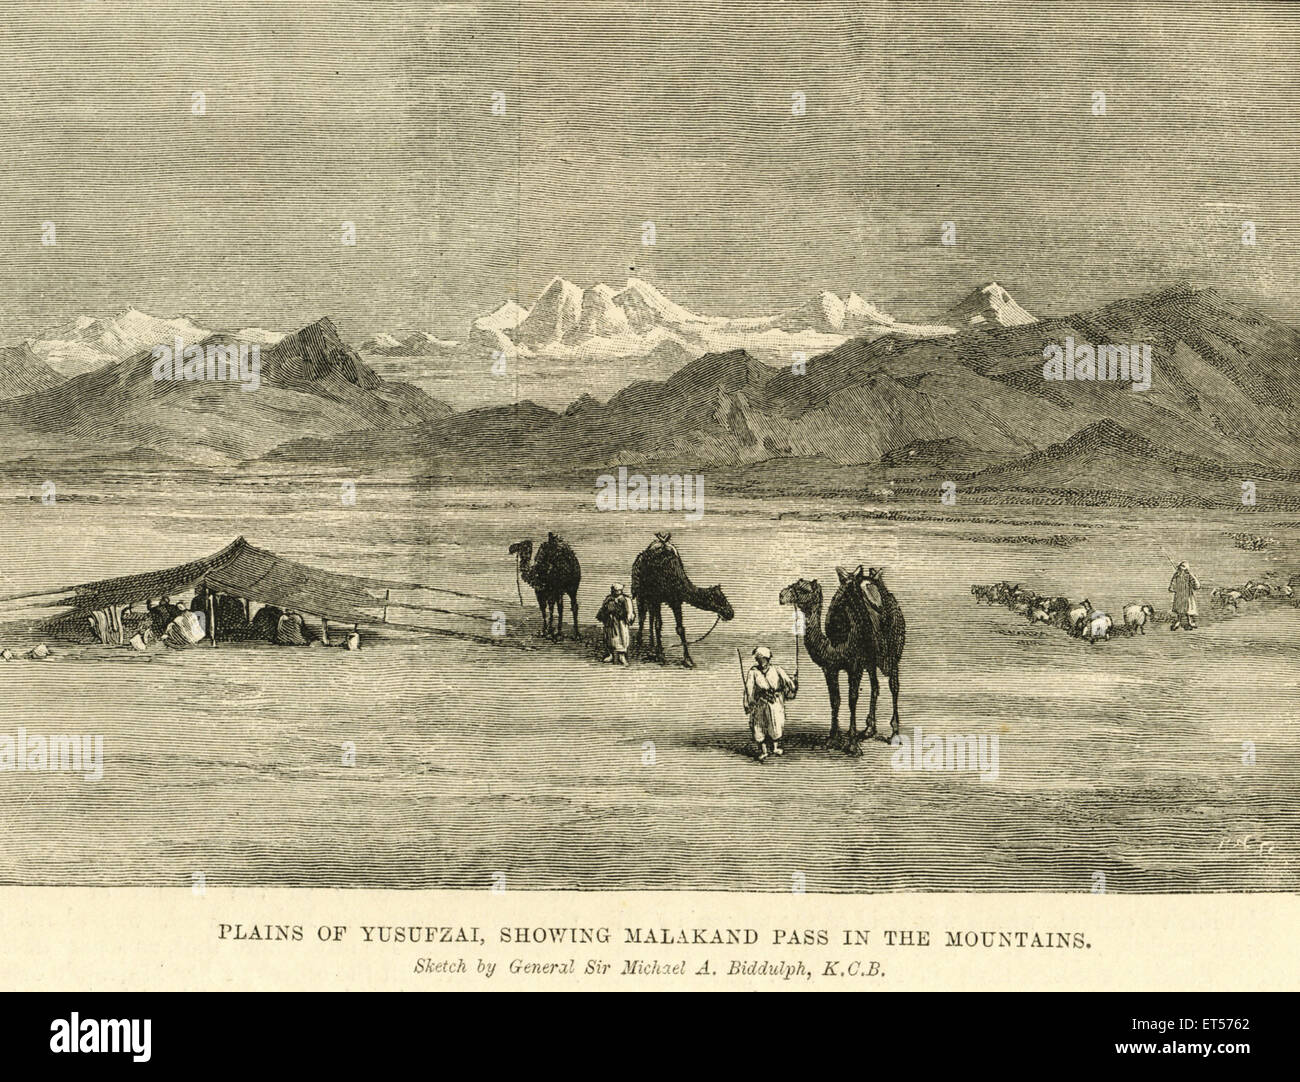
pixel 617 614
pixel 289 631
pixel 766 693
pixel 1184 586
pixel 185 630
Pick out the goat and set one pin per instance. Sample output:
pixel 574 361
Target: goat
pixel 1076 615
pixel 1097 627
pixel 1136 617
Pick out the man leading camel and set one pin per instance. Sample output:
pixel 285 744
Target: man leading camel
pixel 617 613
pixel 767 687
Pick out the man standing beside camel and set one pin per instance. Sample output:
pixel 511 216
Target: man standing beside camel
pixel 617 613
pixel 767 687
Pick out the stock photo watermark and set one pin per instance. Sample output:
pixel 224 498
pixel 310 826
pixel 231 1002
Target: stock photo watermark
pixel 656 492
pixel 228 363
pixel 59 752
pixel 956 752
pixel 1103 363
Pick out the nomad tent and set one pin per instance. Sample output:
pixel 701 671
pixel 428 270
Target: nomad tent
pixel 246 571
pixel 252 575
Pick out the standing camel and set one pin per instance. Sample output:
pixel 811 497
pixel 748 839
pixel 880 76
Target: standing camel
pixel 553 574
pixel 893 635
pixel 658 578
pixel 847 644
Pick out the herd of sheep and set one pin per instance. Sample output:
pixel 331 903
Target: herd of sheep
pixel 1081 621
pixel 1233 596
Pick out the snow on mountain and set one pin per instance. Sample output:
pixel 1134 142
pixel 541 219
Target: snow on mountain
pixel 417 344
pixel 492 333
pixel 644 305
pixel 601 317
pixel 990 304
pixel 860 311
pixel 605 323
pixel 557 312
pixel 505 318
pixel 90 342
pixel 259 336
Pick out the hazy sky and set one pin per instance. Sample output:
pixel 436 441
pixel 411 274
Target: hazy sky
pixel 616 114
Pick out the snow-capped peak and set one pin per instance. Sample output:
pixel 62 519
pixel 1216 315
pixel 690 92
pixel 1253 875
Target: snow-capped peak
pixel 90 342
pixel 557 311
pixel 505 318
pixel 864 311
pixel 642 295
pixel 259 336
pixel 990 304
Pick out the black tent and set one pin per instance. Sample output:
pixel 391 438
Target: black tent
pixel 250 572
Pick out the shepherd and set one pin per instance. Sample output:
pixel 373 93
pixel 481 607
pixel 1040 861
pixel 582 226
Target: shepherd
pixel 617 613
pixel 1184 586
pixel 767 689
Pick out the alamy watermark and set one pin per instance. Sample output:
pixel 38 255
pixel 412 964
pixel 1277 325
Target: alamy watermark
pixel 240 363
pixel 656 492
pixel 57 752
pixel 962 752
pixel 1104 363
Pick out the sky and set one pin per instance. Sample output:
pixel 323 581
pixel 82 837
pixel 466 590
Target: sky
pixel 617 114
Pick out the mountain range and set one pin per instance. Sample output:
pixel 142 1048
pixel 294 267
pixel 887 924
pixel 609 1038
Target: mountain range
pixel 970 404
pixel 571 340
pixel 1224 404
pixel 607 323
pixel 310 383
pixel 598 339
pixel 90 342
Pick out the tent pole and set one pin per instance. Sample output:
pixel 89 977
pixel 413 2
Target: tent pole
pixel 386 593
pixel 38 593
pixel 212 615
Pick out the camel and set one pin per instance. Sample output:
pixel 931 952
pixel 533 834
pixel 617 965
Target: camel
pixel 658 578
pixel 553 574
pixel 846 645
pixel 893 636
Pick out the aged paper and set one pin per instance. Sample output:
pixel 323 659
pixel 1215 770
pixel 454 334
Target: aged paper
pixel 676 495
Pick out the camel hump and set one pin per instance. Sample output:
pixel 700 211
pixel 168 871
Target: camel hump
pixel 659 557
pixel 556 559
pixel 657 566
pixel 850 608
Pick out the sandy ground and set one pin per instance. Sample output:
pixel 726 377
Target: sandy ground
pixel 1131 759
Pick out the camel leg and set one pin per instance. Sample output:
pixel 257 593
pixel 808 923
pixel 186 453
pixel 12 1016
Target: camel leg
pixel 855 683
pixel 546 616
pixel 869 732
pixel 640 628
pixel 557 628
pixel 833 692
pixel 687 661
pixel 573 604
pixel 893 694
